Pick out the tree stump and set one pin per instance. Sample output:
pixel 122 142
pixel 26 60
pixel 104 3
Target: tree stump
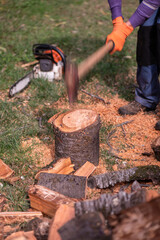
pixel 77 136
pixel 156 148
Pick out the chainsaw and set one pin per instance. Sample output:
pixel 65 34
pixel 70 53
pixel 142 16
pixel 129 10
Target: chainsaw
pixel 51 66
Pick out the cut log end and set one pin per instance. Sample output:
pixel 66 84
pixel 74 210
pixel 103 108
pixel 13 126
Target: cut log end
pixel 75 120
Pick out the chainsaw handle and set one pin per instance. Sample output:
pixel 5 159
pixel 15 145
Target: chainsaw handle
pixel 85 66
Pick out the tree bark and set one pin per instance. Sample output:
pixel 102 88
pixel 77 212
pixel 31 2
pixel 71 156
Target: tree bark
pixel 141 222
pixel 109 204
pixel 77 136
pixel 150 172
pixel 90 226
pixel 69 185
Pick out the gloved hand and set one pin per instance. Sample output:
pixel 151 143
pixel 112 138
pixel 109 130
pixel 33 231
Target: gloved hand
pixel 119 34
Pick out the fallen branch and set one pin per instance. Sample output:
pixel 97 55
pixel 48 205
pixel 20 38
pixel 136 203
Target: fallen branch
pixel 109 204
pixel 29 64
pixel 151 172
pixel 94 96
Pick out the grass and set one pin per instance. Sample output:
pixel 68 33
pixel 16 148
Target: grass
pixel 79 28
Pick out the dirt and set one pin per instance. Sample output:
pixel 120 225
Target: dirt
pixel 42 154
pixel 130 141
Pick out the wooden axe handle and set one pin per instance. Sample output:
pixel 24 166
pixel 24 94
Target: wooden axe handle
pixel 85 66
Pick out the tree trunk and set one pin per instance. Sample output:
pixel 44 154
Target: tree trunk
pixel 77 136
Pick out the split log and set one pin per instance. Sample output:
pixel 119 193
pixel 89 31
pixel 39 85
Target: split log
pixel 62 166
pixel 5 171
pixel 21 236
pixel 77 136
pixel 141 222
pixel 47 201
pixel 69 185
pixel 150 172
pixel 109 204
pixel 25 65
pixel 64 214
pixel 40 227
pixel 156 148
pixel 90 226
pixel 18 217
pixel 86 170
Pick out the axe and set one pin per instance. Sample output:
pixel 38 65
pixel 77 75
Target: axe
pixel 74 73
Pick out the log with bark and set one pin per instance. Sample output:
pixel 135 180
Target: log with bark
pixel 40 227
pixel 77 136
pixel 141 222
pixel 47 201
pixel 156 148
pixel 69 185
pixel 150 172
pixel 109 204
pixel 64 214
pixel 90 226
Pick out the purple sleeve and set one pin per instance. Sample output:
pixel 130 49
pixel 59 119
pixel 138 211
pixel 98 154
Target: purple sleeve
pixel 115 7
pixel 143 12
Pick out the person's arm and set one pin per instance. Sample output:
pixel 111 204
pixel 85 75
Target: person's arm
pixel 115 7
pixel 143 12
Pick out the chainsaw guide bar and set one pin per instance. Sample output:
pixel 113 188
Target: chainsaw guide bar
pixel 51 66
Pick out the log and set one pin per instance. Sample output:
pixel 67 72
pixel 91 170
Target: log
pixel 109 204
pixel 68 185
pixel 21 236
pixel 47 201
pixel 64 214
pixel 25 65
pixel 18 217
pixel 77 136
pixel 40 227
pixel 141 222
pixel 90 226
pixel 62 166
pixel 150 172
pixel 5 171
pixel 86 170
pixel 156 148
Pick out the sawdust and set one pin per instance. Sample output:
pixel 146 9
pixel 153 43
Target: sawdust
pixel 129 142
pixel 42 154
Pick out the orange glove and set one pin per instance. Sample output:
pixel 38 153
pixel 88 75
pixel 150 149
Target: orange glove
pixel 119 34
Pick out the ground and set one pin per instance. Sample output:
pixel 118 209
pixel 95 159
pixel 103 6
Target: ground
pixel 27 139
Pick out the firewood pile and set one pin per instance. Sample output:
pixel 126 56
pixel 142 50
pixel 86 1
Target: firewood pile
pixel 59 208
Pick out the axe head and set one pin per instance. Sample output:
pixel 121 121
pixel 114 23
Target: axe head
pixel 71 81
